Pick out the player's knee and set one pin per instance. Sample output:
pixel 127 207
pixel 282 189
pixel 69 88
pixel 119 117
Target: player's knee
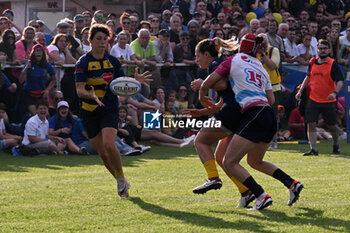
pixel 109 147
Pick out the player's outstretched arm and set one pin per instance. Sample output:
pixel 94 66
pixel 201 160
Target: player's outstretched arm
pixel 143 78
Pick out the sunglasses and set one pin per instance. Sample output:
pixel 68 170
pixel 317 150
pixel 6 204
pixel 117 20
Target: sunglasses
pixel 154 20
pixel 225 28
pixel 126 22
pixel 10 38
pixel 99 16
pixel 290 20
pixel 168 14
pixel 35 26
pixel 185 38
pixel 182 90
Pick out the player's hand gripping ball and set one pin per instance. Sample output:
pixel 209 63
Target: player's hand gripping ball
pixel 125 86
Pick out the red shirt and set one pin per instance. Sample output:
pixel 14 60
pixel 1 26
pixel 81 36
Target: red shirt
pixel 295 117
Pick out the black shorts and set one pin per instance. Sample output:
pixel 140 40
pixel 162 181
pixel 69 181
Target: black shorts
pixel 259 124
pixel 230 117
pixel 328 111
pixel 94 122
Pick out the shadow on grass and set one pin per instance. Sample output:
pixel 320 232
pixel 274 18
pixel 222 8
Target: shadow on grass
pixel 308 217
pixel 197 219
pixel 23 164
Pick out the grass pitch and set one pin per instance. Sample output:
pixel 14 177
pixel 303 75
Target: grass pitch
pixel 77 194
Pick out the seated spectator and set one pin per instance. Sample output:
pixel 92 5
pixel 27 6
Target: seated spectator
pixel 296 125
pixel 182 54
pixel 220 34
pixel 36 132
pixel 182 98
pixel 333 40
pixel 55 96
pixel 34 77
pixel 80 137
pixel 156 136
pixel 254 24
pixel 61 125
pixel 159 98
pixel 164 54
pixel 175 29
pixel 6 140
pixel 305 51
pixel 290 46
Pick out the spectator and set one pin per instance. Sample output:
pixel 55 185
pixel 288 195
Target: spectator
pixel 112 41
pixel 305 51
pixel 182 54
pixel 166 15
pixel 274 39
pixel 125 25
pixel 80 137
pixel 74 43
pixel 8 47
pixel 345 46
pixel 159 98
pixel 40 39
pixel 155 26
pixel 164 54
pixel 304 18
pixel 79 24
pixel 285 16
pixel 193 29
pixel 175 25
pixel 214 7
pixel 292 23
pixel 333 40
pixel 198 17
pixel 313 30
pixel 36 132
pixel 254 24
pixel 85 44
pixel 183 27
pixel 334 9
pixel 263 22
pixel 24 46
pixel 182 5
pixel 134 23
pixel 6 140
pixel 324 32
pixel 290 46
pixel 123 51
pixel 201 7
pixel 145 52
pixel 222 19
pixel 34 24
pixel 54 97
pixel 10 16
pixel 214 25
pixel 220 34
pixel 4 24
pixel 87 18
pixel 182 98
pixel 34 76
pixel 61 125
pixel 226 28
pixel 99 17
pixel 283 30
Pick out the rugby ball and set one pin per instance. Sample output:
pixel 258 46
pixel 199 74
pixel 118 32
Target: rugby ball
pixel 125 86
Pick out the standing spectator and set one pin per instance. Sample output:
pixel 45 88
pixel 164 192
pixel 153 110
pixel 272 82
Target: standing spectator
pixel 10 16
pixel 290 46
pixel 214 25
pixel 214 7
pixel 99 17
pixel 175 25
pixel 333 40
pixel 324 81
pixel 34 76
pixel 182 5
pixel 292 23
pixel 164 54
pixel 36 132
pixel 87 18
pixel 304 18
pixel 274 39
pixel 345 46
pixel 78 25
pixel 123 51
pixel 24 46
pixel 155 26
pixel 222 19
pixel 166 15
pixel 182 54
pixel 305 50
pixel 313 30
pixel 8 47
pixel 85 44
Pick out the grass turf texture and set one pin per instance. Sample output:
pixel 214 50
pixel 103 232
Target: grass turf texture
pixel 75 193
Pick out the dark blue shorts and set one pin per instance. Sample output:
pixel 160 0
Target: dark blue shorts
pixel 259 124
pixel 230 117
pixel 94 122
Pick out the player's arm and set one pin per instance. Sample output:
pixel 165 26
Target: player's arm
pixel 208 83
pixel 83 93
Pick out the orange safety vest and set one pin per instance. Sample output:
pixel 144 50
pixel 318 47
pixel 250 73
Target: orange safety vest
pixel 321 84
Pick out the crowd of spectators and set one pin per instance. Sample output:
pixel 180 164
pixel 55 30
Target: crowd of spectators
pixel 291 30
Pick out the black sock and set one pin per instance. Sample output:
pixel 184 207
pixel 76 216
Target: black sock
pixel 253 186
pixel 283 177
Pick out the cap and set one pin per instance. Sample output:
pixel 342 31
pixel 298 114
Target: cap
pixel 62 104
pixel 111 15
pixel 174 6
pixel 36 46
pixel 196 13
pixel 62 24
pixel 164 32
pixel 280 108
pixel 40 22
pixel 78 17
pixel 214 21
pixel 250 43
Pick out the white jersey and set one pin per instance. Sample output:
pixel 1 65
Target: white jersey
pixel 35 127
pixel 249 80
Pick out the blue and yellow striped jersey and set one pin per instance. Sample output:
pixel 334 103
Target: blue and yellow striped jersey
pixel 98 73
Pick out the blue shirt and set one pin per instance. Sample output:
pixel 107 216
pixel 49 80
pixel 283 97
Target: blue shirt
pixel 98 73
pixel 77 132
pixel 53 124
pixel 37 76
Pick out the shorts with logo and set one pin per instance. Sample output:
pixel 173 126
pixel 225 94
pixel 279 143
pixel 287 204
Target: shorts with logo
pixel 230 117
pixel 314 109
pixel 259 124
pixel 94 122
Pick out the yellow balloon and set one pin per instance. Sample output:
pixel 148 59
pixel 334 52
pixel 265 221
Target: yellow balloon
pixel 278 17
pixel 250 16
